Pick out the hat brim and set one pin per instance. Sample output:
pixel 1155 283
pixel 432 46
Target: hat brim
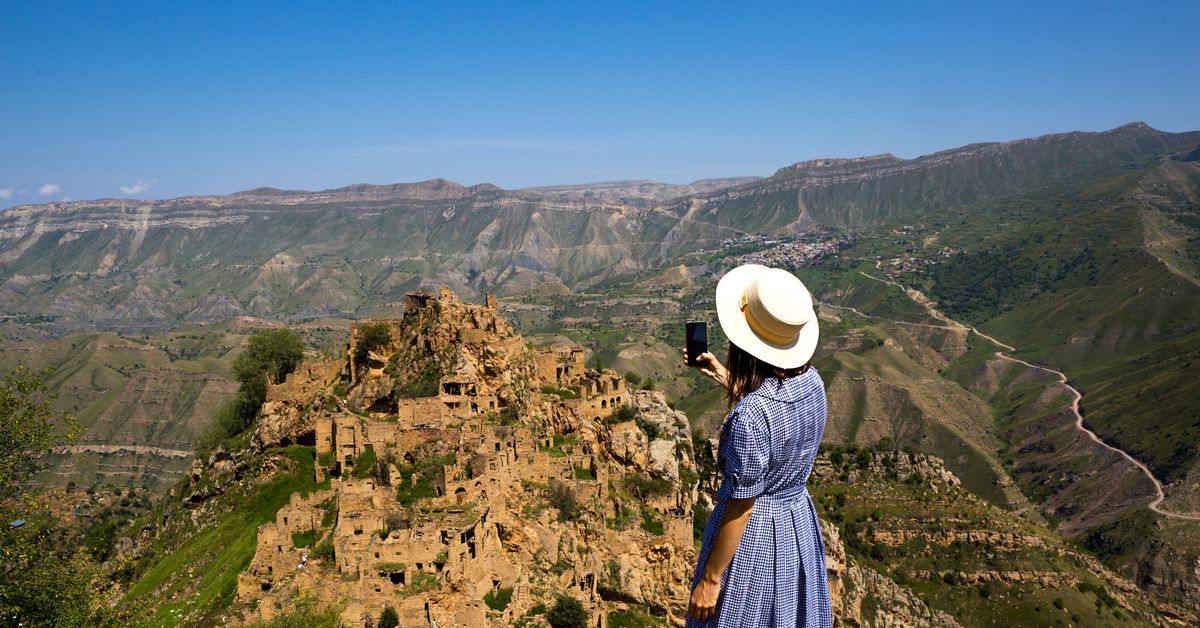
pixel 730 289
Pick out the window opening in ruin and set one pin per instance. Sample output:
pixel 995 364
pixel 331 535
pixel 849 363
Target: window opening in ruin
pixel 266 586
pixel 397 577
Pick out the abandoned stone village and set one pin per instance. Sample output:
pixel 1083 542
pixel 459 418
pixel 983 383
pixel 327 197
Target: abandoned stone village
pixel 472 478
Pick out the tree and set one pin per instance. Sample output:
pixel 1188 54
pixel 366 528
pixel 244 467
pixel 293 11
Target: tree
pixel 28 429
pixel 370 338
pixel 46 578
pixel 563 498
pixel 567 612
pixel 269 353
pixel 388 618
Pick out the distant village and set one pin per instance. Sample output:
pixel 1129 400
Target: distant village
pixel 785 251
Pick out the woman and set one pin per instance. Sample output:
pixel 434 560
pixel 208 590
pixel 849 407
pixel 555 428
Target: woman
pixel 762 561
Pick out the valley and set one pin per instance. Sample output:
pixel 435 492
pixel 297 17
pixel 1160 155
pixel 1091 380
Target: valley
pixel 1026 314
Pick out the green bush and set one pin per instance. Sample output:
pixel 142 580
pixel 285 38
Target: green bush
pixel 423 384
pixel 408 492
pixel 364 464
pixel 567 612
pixel 324 549
pixel 584 473
pixel 370 338
pixel 634 617
pixel 651 430
pixel 563 499
pixel 498 599
pixel 644 486
pixel 650 524
pixel 564 393
pixel 388 618
pixel 331 511
pixel 421 583
pixel 622 414
pixel 700 514
pixel 308 614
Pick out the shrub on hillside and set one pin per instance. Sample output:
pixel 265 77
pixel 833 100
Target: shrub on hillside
pixel 567 612
pixel 388 618
pixel 563 499
pixel 269 353
pixel 370 338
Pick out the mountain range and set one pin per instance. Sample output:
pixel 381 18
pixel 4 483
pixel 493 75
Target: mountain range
pixel 1079 252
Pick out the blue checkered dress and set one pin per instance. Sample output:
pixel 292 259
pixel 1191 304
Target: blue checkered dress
pixel 768 443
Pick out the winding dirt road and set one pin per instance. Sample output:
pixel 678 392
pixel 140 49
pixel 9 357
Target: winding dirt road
pixel 924 302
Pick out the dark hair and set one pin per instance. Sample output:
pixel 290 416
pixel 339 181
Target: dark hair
pixel 747 373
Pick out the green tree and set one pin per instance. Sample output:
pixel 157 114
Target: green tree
pixel 46 578
pixel 371 337
pixel 388 618
pixel 567 612
pixel 269 353
pixel 563 499
pixel 28 428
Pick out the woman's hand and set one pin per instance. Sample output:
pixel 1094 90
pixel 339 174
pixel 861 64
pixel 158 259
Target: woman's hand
pixel 704 599
pixel 710 366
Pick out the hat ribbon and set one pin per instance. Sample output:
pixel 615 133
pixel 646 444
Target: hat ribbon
pixel 758 328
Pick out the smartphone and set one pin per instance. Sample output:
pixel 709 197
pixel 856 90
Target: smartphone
pixel 697 341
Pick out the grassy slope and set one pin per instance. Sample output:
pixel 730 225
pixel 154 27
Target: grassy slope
pixel 1069 283
pixel 874 502
pixel 193 569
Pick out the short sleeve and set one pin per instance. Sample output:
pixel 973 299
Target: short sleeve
pixel 747 452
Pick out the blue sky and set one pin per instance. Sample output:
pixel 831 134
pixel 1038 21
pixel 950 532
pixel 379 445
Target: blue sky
pixel 151 100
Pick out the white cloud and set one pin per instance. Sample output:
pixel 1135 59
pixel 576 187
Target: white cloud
pixel 139 187
pixel 48 189
pixel 6 193
pixel 66 199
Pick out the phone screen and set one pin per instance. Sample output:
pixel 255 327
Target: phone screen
pixel 697 340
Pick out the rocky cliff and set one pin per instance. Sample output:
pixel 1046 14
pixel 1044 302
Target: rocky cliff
pixel 519 477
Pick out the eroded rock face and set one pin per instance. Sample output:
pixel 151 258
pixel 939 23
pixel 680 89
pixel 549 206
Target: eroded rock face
pixel 652 408
pixel 663 462
pixel 629 444
pixel 851 584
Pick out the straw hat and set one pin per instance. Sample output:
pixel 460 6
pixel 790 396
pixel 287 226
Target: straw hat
pixel 769 314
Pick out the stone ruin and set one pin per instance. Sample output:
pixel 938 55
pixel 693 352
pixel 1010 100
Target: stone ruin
pixel 439 504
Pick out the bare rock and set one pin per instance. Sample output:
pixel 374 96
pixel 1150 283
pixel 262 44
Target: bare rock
pixel 629 444
pixel 663 462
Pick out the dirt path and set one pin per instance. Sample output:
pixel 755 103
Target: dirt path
pixel 924 302
pixel 131 449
